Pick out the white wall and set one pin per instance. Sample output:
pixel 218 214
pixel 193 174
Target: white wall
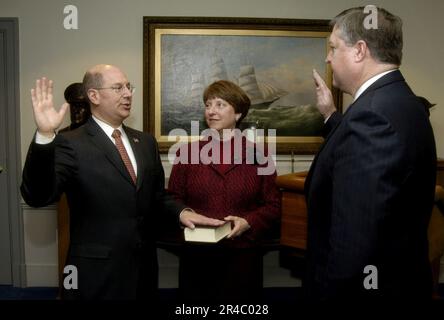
pixel 40 234
pixel 110 31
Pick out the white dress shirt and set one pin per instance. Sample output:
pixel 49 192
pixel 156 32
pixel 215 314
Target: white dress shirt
pixel 365 85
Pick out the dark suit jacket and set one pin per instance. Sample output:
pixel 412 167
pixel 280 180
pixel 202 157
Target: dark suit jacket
pixel 370 194
pixel 112 221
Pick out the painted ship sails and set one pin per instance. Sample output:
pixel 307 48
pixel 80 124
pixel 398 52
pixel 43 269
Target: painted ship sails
pixel 261 94
pixel 197 89
pixel 218 71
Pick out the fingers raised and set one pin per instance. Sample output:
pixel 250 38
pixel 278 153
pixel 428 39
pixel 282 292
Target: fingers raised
pixel 50 84
pixel 63 110
pixel 320 83
pixel 33 97
pixel 38 90
pixel 44 84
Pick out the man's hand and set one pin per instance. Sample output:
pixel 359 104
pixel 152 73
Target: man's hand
pixel 324 98
pixel 240 226
pixel 190 219
pixel 46 117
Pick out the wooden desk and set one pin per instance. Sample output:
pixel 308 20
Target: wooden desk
pixel 294 210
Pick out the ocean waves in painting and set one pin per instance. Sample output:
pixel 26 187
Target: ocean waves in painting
pixel 289 121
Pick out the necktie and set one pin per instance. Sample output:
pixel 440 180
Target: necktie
pixel 123 154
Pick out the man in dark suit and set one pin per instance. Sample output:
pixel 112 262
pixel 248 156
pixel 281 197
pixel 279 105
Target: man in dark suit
pixel 370 188
pixel 114 182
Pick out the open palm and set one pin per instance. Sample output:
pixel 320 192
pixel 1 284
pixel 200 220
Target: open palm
pixel 47 118
pixel 324 98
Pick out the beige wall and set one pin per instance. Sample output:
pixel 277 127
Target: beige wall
pixel 110 31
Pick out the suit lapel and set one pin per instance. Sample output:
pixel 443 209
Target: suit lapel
pixel 102 142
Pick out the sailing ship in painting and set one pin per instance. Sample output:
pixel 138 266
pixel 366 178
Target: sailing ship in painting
pixel 197 89
pixel 265 111
pixel 261 94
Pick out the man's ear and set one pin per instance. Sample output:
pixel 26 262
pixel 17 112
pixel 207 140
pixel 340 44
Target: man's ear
pixel 361 50
pixel 93 96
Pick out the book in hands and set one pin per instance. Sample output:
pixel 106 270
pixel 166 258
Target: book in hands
pixel 207 234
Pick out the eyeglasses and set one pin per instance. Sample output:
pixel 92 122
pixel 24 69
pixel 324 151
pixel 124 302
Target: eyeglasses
pixel 119 88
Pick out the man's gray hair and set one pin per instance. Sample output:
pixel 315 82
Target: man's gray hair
pixel 385 42
pixel 91 80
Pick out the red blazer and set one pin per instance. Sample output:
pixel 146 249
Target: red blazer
pixel 220 190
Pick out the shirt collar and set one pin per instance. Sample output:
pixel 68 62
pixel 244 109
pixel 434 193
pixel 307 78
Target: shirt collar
pixel 369 82
pixel 106 127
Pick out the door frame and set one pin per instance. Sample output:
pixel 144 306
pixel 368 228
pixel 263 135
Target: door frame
pixel 10 29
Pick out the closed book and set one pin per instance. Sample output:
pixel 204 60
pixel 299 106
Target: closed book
pixel 207 234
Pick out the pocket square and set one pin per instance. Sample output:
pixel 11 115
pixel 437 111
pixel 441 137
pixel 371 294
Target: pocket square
pixel 136 140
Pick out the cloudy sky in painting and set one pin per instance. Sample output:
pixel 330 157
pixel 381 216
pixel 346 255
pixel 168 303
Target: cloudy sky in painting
pixel 283 62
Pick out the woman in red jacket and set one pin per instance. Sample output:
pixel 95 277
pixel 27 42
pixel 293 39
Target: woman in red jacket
pixel 225 186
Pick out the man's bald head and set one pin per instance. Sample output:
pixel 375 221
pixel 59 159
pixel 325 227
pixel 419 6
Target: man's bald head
pixel 93 78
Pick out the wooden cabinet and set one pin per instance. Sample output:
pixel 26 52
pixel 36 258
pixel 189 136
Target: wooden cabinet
pixel 294 210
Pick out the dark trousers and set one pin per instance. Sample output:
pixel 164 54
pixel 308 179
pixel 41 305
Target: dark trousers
pixel 213 274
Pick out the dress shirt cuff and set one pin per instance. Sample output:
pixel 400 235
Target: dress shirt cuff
pixel 41 139
pixel 326 119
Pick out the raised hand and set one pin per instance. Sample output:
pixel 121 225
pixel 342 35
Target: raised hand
pixel 46 117
pixel 324 98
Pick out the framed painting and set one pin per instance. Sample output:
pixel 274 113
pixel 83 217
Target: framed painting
pixel 270 59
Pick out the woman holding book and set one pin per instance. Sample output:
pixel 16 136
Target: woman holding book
pixel 226 183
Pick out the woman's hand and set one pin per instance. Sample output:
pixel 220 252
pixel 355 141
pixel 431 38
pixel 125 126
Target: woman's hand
pixel 190 219
pixel 240 226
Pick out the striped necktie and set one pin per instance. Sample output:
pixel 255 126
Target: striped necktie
pixel 123 154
